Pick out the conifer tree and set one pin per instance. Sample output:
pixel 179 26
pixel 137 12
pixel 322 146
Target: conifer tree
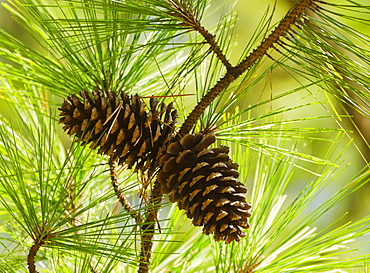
pixel 136 144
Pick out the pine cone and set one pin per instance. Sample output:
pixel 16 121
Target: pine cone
pixel 120 126
pixel 204 183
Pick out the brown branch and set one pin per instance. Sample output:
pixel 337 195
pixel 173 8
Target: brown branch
pixel 39 241
pixel 234 72
pixel 148 229
pixel 121 197
pixel 188 19
pixel 280 31
pixel 210 38
pixel 192 118
pixel 31 256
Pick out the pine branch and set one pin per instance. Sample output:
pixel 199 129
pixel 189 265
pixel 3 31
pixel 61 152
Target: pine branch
pixel 121 197
pixel 188 19
pixel 266 249
pixel 38 243
pixel 31 256
pixel 234 72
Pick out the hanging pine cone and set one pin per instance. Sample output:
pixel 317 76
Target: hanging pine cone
pixel 120 126
pixel 204 183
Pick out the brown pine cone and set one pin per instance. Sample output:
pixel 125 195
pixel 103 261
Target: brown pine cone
pixel 119 126
pixel 203 181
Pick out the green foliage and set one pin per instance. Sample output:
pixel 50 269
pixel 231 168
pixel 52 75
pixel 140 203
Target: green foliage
pixel 57 193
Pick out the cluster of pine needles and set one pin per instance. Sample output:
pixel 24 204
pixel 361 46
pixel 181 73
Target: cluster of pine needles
pixel 141 133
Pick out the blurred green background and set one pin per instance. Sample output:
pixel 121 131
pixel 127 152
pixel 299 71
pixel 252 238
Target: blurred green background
pixel 249 15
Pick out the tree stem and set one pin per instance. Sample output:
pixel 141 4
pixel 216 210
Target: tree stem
pixel 31 256
pixel 234 72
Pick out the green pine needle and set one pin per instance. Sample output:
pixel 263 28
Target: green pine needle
pixel 292 142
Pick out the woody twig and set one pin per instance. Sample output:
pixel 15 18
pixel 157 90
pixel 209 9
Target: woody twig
pixel 233 72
